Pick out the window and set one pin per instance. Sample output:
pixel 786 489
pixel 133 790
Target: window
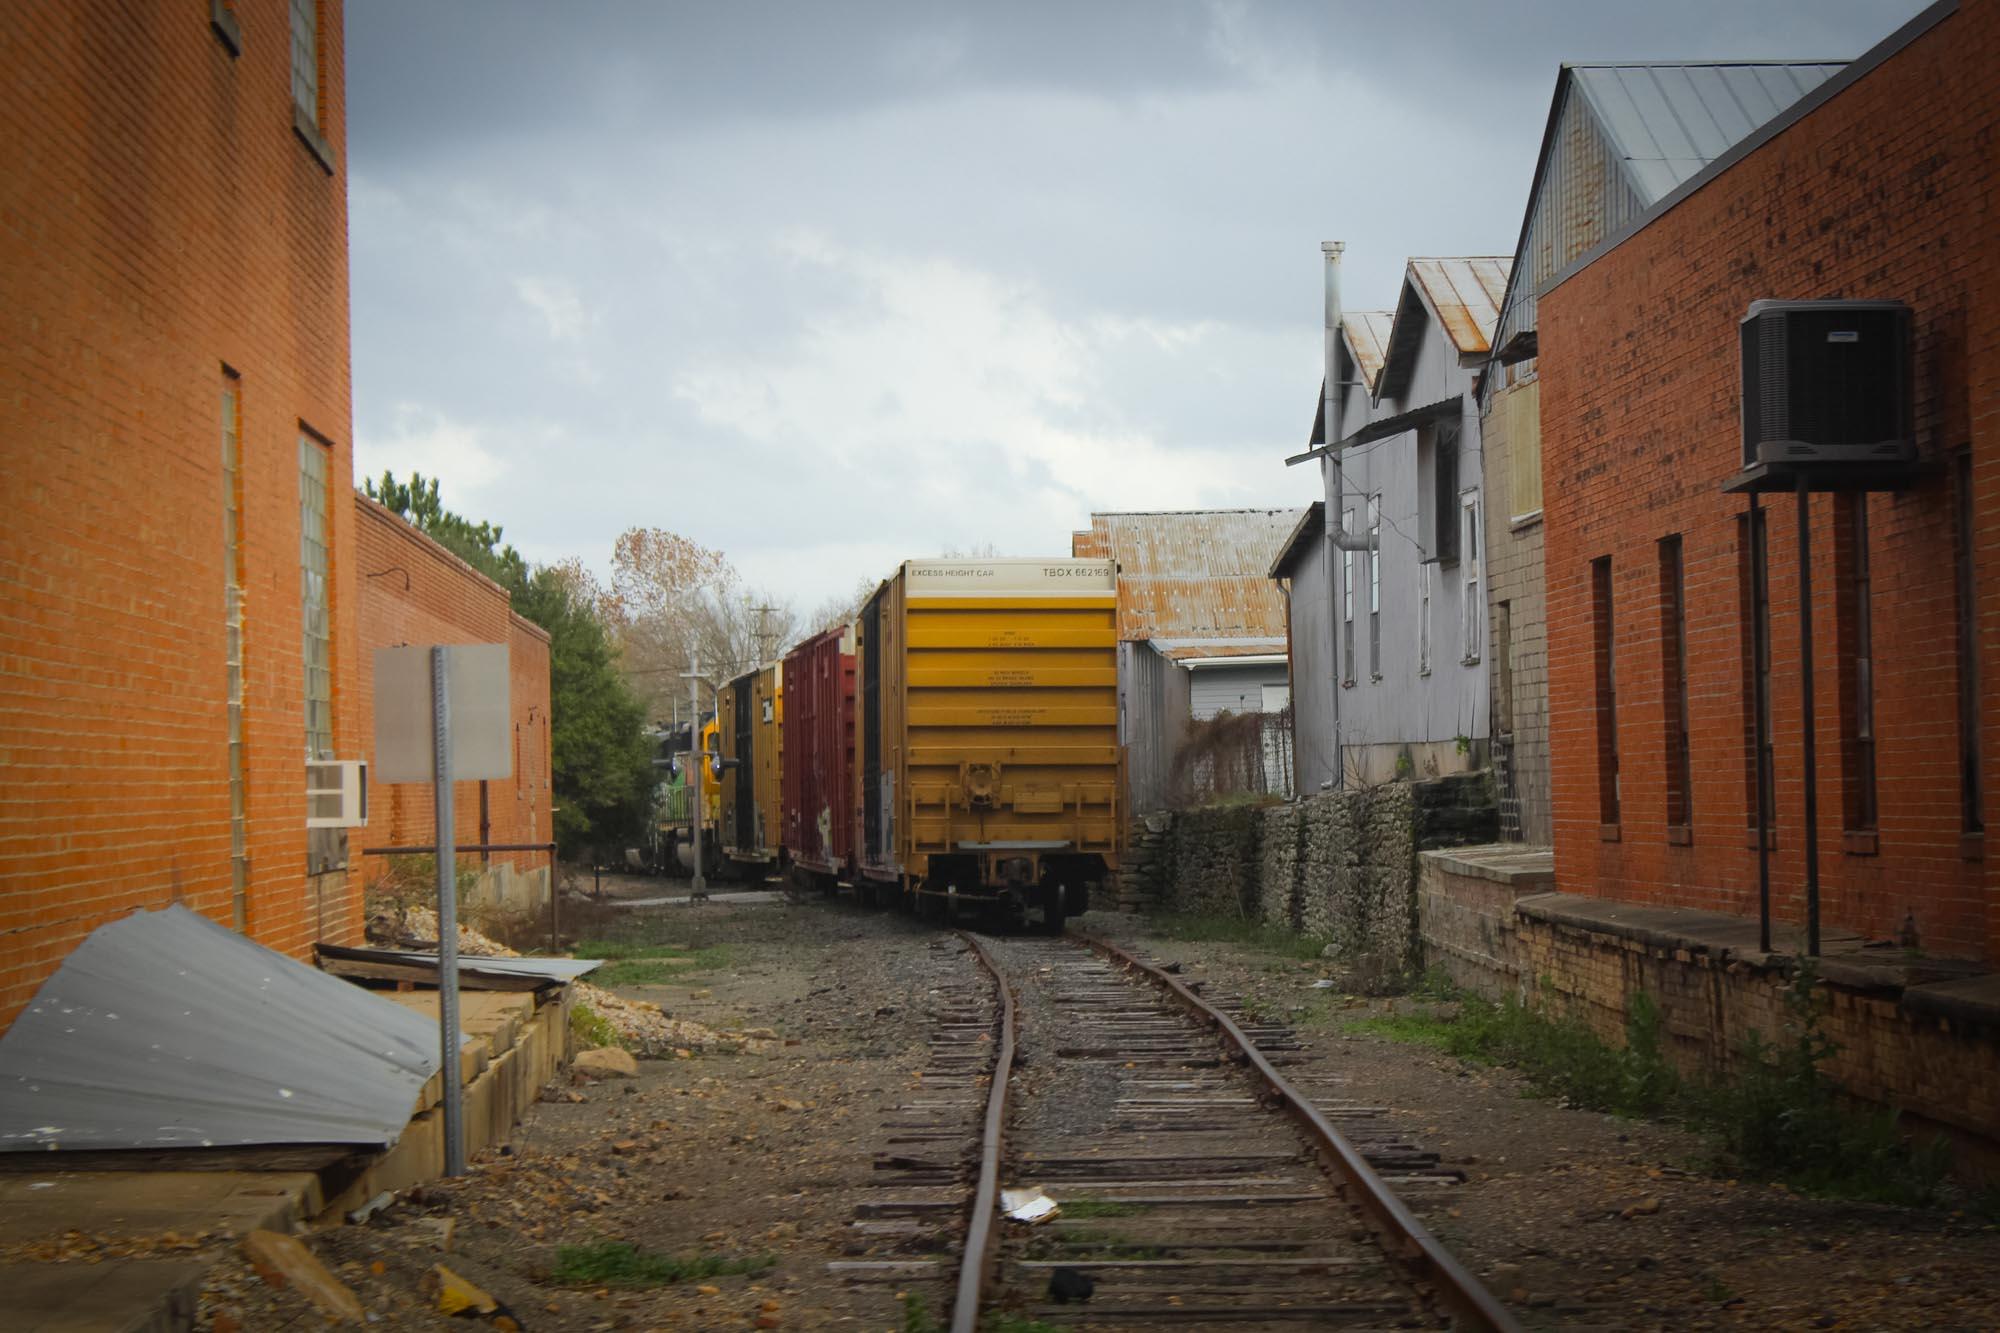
pixel 1674 689
pixel 1473 611
pixel 308 82
pixel 222 22
pixel 232 640
pixel 1606 684
pixel 1275 698
pixel 1522 431
pixel 1969 788
pixel 1423 618
pixel 315 603
pixel 1375 587
pixel 1753 593
pixel 1445 535
pixel 1347 600
pixel 1857 667
pixel 305 60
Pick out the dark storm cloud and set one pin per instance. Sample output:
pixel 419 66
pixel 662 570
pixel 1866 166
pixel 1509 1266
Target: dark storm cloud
pixel 948 274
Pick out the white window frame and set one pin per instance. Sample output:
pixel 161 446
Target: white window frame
pixel 1375 586
pixel 1347 600
pixel 1472 585
pixel 1423 617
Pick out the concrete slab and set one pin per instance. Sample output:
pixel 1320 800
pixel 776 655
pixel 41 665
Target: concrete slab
pixel 36 1206
pixel 116 1296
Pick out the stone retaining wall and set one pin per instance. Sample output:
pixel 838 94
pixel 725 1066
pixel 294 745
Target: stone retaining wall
pixel 1339 865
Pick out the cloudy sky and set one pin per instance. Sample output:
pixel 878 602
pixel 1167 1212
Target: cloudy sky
pixel 830 285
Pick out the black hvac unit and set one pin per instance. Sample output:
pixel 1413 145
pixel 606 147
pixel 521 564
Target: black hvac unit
pixel 1827 382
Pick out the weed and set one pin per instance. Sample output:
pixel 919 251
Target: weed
pixel 620 1264
pixel 631 964
pixel 1097 1208
pixel 1280 940
pixel 1780 1117
pixel 591 1028
pixel 1776 1117
pixel 916 1315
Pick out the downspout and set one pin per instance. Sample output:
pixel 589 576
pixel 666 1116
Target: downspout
pixel 1337 537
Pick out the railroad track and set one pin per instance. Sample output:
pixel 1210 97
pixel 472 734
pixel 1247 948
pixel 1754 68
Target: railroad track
pixel 1198 1187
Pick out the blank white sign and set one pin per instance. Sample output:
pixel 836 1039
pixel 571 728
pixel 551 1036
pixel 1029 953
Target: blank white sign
pixel 481 741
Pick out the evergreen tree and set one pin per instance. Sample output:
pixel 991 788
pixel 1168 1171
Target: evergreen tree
pixel 601 757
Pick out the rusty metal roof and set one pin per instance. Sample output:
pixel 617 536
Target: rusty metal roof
pixel 1194 574
pixel 1368 341
pixel 1466 294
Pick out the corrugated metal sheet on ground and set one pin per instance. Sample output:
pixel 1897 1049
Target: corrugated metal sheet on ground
pixel 1196 573
pixel 511 973
pixel 165 1030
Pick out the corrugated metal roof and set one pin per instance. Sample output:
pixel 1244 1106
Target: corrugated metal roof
pixel 1466 294
pixel 1368 341
pixel 1194 574
pixel 1669 121
pixel 1631 135
pixel 164 1030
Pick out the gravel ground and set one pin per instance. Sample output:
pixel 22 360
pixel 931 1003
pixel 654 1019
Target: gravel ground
pixel 1579 1219
pixel 731 1155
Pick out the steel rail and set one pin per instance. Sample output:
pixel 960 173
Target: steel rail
pixel 977 1260
pixel 1402 1236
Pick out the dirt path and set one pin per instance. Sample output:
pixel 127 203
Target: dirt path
pixel 1580 1220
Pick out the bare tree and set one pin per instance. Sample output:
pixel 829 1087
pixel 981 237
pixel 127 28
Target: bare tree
pixel 676 601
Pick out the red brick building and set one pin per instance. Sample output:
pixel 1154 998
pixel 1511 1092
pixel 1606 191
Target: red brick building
pixel 177 597
pixel 1881 184
pixel 414 591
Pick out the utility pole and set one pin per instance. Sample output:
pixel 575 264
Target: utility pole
pixel 763 633
pixel 695 760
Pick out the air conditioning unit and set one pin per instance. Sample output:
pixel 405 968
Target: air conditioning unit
pixel 336 793
pixel 1827 382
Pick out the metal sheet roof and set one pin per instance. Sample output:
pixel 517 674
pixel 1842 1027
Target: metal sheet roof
pixel 1629 136
pixel 1466 295
pixel 1194 573
pixel 1368 341
pixel 164 1030
pixel 1669 121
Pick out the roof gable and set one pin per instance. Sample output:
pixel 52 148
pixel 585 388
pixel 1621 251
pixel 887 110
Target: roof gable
pixel 1620 138
pixel 1461 294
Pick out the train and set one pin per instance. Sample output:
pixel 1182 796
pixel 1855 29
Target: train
pixel 952 750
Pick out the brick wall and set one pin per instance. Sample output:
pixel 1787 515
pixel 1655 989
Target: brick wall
pixel 1886 190
pixel 414 591
pixel 159 218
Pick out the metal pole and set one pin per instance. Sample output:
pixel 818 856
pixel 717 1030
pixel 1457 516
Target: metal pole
pixel 1806 711
pixel 695 760
pixel 1760 687
pixel 485 825
pixel 447 911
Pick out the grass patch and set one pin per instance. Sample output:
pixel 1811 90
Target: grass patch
pixel 1217 928
pixel 591 1028
pixel 632 964
pixel 1775 1117
pixel 620 1264
pixel 916 1315
pixel 1098 1208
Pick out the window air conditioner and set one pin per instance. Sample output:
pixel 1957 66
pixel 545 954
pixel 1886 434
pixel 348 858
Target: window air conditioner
pixel 1827 382
pixel 336 793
